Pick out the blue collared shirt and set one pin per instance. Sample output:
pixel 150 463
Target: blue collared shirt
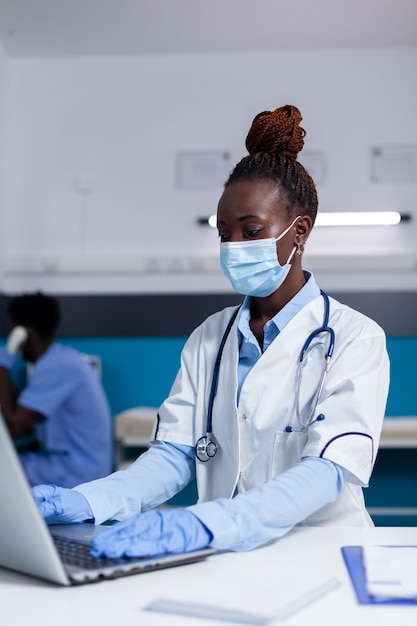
pixel 249 349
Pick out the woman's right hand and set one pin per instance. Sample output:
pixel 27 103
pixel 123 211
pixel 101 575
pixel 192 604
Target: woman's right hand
pixel 59 505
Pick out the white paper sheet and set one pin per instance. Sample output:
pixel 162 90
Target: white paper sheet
pixel 270 606
pixel 391 571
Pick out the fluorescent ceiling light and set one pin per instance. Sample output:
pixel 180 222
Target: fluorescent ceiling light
pixel 359 218
pixel 351 218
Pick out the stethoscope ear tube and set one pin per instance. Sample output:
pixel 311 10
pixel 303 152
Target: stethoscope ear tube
pixel 291 429
pixel 323 329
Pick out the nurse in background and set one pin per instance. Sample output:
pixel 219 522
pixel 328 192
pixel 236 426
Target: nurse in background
pixel 277 465
pixel 61 402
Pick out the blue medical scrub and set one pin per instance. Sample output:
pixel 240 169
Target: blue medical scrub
pixel 74 427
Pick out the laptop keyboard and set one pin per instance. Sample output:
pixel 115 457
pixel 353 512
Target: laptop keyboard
pixel 78 555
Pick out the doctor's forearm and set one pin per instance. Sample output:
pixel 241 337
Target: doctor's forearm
pixel 157 475
pixel 270 511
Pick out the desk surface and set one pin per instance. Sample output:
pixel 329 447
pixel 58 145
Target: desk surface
pixel 315 552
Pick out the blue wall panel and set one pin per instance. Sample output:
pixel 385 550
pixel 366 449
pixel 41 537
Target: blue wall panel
pixel 135 370
pixel 402 398
pixel 141 370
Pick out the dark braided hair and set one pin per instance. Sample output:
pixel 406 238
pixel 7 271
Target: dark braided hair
pixel 273 142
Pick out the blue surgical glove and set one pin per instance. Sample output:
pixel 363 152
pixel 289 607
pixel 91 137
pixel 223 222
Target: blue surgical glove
pixel 155 532
pixel 62 506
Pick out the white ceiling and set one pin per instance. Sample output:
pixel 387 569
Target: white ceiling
pixel 115 27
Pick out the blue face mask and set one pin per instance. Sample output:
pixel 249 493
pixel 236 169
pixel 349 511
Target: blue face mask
pixel 253 267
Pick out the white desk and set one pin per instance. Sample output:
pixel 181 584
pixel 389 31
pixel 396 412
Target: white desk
pixel 316 551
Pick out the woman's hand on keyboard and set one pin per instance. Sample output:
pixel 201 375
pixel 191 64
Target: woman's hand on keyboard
pixel 62 506
pixel 168 531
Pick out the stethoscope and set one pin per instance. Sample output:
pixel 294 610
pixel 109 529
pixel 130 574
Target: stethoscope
pixel 206 447
pixel 323 329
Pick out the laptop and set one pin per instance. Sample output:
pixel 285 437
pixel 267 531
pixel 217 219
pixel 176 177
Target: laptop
pixel 28 545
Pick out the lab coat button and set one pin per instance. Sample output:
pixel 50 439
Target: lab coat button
pixel 244 416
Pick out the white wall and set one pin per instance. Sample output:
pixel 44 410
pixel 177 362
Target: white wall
pixel 3 126
pixel 117 125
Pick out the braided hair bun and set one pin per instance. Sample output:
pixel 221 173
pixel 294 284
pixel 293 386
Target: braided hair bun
pixel 273 142
pixel 277 131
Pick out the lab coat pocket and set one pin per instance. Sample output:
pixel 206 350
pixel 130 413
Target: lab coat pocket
pixel 287 450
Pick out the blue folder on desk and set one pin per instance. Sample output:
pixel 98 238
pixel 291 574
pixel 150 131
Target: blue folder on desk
pixel 353 558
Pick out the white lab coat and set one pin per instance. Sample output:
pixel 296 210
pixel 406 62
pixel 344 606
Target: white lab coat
pixel 253 445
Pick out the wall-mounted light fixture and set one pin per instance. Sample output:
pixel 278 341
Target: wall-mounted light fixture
pixel 211 220
pixel 351 218
pixel 361 218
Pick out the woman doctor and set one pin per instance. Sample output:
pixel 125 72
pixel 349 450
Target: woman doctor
pixel 287 443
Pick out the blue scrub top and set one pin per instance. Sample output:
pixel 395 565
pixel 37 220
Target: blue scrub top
pixel 74 429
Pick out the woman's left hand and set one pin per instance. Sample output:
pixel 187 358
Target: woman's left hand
pixel 154 532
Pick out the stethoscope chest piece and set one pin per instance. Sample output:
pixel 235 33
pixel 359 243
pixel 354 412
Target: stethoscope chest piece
pixel 205 449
